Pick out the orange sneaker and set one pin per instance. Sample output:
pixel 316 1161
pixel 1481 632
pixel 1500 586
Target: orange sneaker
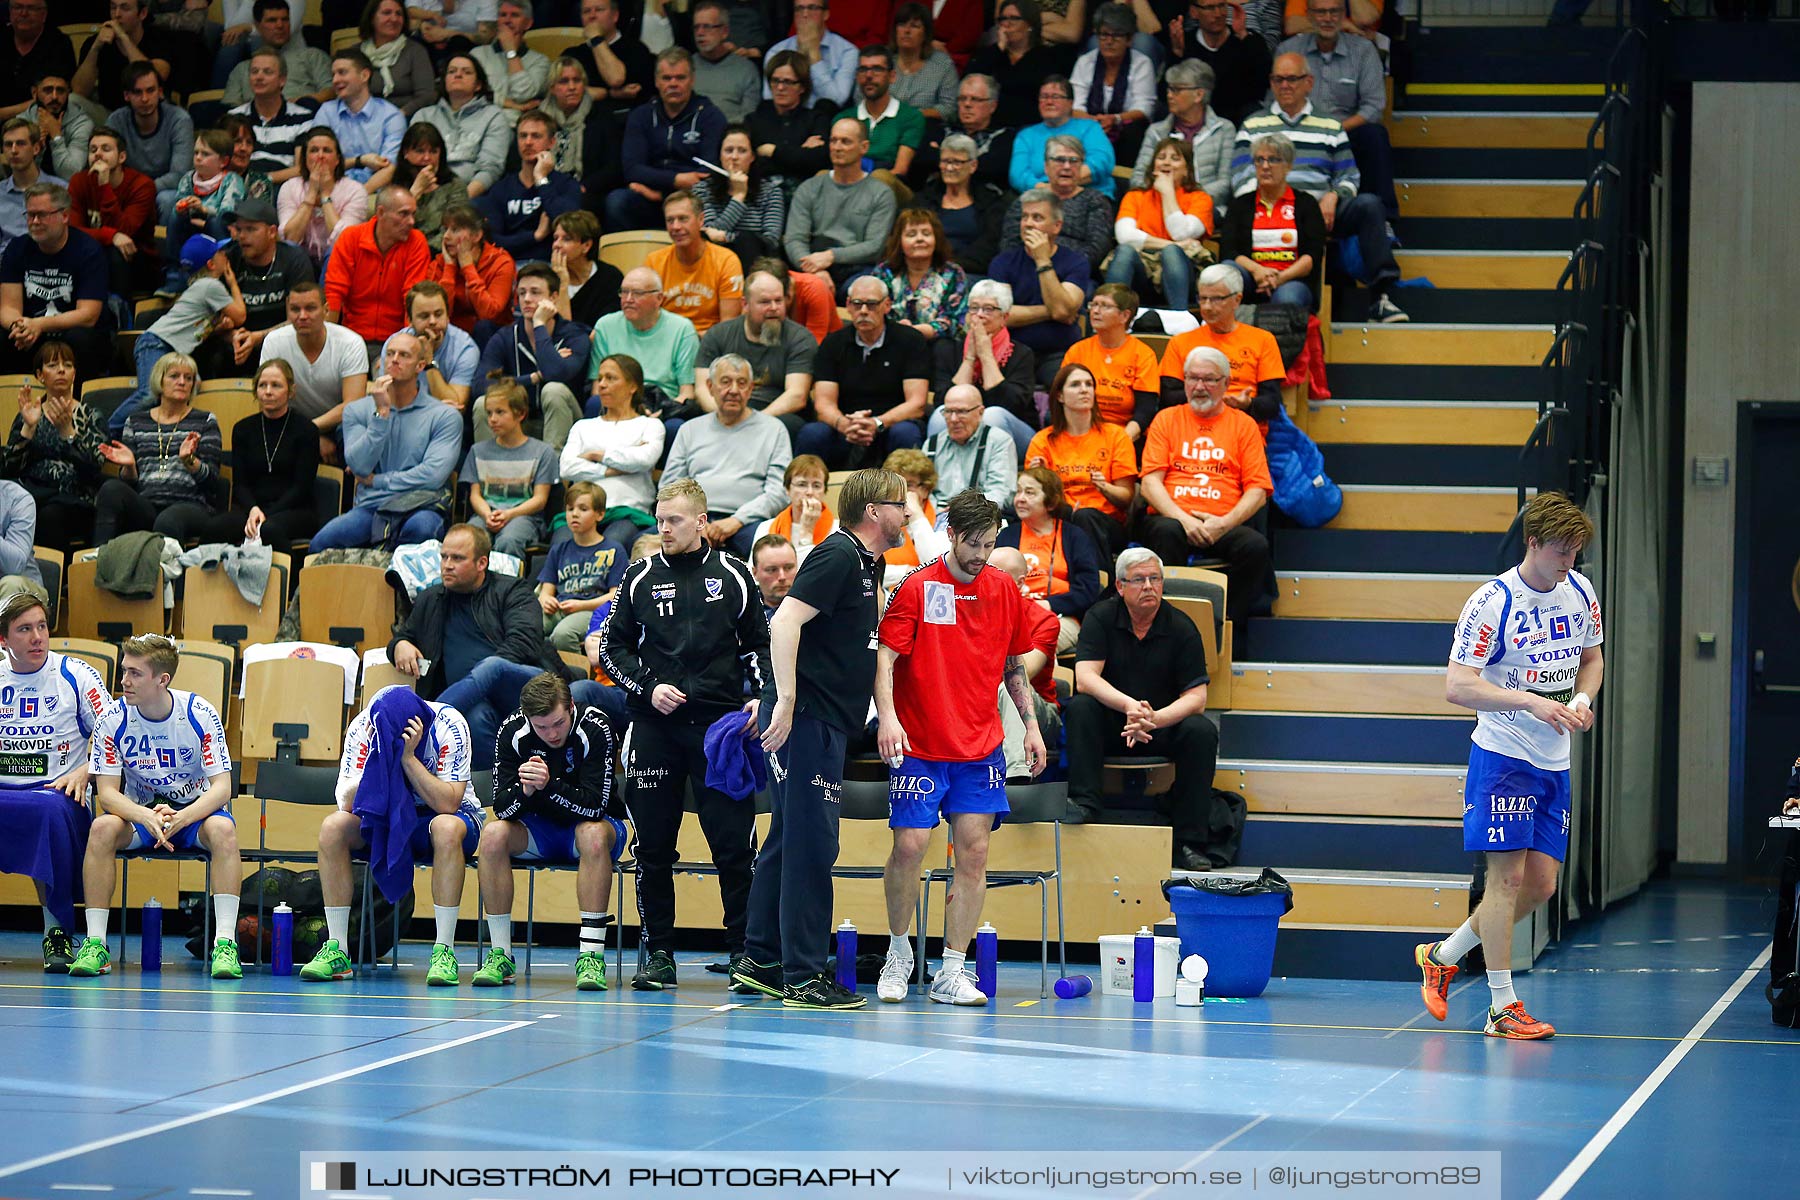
pixel 1435 990
pixel 1515 1023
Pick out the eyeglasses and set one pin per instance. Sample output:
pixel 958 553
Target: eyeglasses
pixel 1209 380
pixel 987 309
pixel 960 99
pixel 1281 79
pixel 1063 160
pixel 1010 21
pixel 1056 96
pixel 1265 160
pixel 1176 87
pixel 1216 299
pixel 892 503
pixel 863 304
pixel 779 81
pixel 43 216
pixel 1101 302
pixel 961 412
pixel 875 70
pixel 1139 581
pixel 638 293
pixel 955 162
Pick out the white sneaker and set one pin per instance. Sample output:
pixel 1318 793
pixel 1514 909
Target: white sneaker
pixel 956 988
pixel 896 977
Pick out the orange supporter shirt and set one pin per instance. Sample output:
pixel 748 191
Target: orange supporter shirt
pixel 1046 566
pixel 1104 448
pixel 695 291
pixel 1253 353
pixel 1117 375
pixel 1207 462
pixel 368 288
pixel 813 306
pixel 1145 207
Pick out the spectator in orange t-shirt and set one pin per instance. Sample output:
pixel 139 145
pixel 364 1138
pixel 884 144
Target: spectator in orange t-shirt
pixel 1256 370
pixel 1124 367
pixel 702 281
pixel 1064 566
pixel 1159 228
pixel 810 302
pixel 1093 459
pixel 1205 476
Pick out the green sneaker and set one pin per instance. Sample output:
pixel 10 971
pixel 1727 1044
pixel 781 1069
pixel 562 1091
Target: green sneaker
pixel 225 963
pixel 328 965
pixel 658 974
pixel 590 972
pixel 498 969
pixel 443 967
pixel 92 960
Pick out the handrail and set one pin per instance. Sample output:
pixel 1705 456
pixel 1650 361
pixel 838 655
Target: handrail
pixel 1584 249
pixel 1613 98
pixel 1537 440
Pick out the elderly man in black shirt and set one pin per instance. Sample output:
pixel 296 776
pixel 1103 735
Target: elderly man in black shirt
pixel 1140 681
pixel 872 385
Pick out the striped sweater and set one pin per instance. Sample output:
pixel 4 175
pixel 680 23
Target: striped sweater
pixel 161 479
pixel 1322 159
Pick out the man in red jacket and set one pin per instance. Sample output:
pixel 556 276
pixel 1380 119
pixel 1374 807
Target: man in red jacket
pixel 116 206
pixel 372 267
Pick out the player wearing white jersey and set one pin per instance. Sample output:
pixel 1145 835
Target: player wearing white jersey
pixel 162 776
pixel 1526 658
pixel 49 707
pixel 436 766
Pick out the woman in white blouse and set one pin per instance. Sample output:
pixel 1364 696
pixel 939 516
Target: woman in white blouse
pixel 618 449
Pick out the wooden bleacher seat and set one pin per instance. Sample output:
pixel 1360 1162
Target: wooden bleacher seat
pixel 9 398
pixel 294 691
pixel 214 609
pixel 106 393
pixel 376 676
pixel 206 669
pixel 553 41
pixel 627 249
pixel 145 312
pixel 1143 774
pixel 344 604
pixel 103 615
pixel 834 483
pixel 230 400
pixel 341 38
pixel 101 656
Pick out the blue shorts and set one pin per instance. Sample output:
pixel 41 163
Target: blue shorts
pixel 550 841
pixel 922 789
pixel 1509 804
pixel 186 839
pixel 421 838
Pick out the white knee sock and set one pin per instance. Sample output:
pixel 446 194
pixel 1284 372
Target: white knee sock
pixel 446 923
pixel 337 925
pixel 1452 948
pixel 500 931
pixel 1500 983
pixel 225 910
pixel 96 921
pixel 953 962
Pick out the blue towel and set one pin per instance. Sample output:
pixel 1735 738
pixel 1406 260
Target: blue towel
pixel 734 759
pixel 387 806
pixel 43 834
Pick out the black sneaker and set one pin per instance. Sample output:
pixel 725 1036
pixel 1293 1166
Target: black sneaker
pixel 658 974
pixel 821 992
pixel 59 952
pixel 751 978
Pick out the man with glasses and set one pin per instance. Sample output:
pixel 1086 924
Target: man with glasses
pixel 832 59
pixel 1256 369
pixel 977 100
pixel 1188 85
pixel 975 450
pixel 1348 70
pixel 52 284
pixel 896 129
pixel 29 50
pixel 1056 105
pixel 1240 63
pixel 1325 169
pixel 663 343
pixel 728 79
pixel 873 385
pixel 1205 475
pixel 1140 688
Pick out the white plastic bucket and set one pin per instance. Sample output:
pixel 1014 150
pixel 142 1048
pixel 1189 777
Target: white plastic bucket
pixel 1117 952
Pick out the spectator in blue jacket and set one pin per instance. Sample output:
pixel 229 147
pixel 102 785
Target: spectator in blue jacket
pixel 519 208
pixel 1056 105
pixel 547 355
pixel 662 140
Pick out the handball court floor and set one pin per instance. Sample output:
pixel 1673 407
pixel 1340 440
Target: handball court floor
pixel 1667 1079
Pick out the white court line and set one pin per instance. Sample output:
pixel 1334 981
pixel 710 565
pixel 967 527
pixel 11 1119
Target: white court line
pixel 238 1012
pixel 1207 1153
pixel 81 1187
pixel 1571 1174
pixel 120 1139
pixel 218 1192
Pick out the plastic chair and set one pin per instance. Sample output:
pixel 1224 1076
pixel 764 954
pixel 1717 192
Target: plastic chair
pixel 299 693
pixel 206 669
pixel 102 656
pixel 346 604
pixel 214 609
pixel 126 858
pixel 104 615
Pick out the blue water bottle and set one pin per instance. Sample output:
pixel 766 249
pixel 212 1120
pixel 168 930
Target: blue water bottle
pixel 987 960
pixel 284 940
pixel 1143 966
pixel 1071 987
pixel 150 937
pixel 846 956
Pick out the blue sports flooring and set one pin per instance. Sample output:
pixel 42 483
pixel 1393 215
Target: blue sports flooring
pixel 133 1086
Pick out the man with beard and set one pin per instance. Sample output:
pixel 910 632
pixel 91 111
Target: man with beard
pixel 779 351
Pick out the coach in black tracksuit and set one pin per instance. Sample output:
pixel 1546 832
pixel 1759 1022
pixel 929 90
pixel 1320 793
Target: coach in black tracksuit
pixel 685 634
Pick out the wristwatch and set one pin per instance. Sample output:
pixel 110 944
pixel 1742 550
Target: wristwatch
pixel 880 425
pixel 512 54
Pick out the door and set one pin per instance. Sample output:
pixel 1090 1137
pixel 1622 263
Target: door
pixel 1771 630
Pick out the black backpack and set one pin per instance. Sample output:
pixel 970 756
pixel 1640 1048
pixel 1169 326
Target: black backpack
pixel 300 891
